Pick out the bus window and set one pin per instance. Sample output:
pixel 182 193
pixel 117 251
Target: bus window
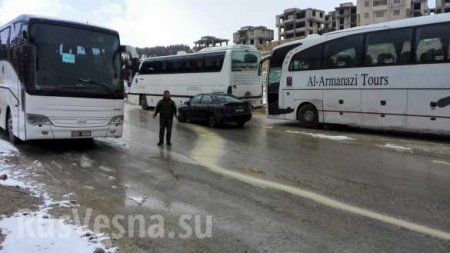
pixel 309 59
pixel 214 62
pixel 4 42
pixel 343 53
pixel 432 44
pixel 386 48
pixel 244 61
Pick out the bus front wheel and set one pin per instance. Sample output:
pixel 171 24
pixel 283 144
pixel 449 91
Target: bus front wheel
pixel 9 127
pixel 308 116
pixel 143 102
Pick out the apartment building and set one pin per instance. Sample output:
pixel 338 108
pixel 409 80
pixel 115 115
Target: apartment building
pixel 442 6
pixel 298 23
pixel 343 17
pixel 378 11
pixel 250 35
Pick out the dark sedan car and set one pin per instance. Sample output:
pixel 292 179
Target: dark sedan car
pixel 215 109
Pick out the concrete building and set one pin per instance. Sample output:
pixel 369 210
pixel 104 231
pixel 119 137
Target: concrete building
pixel 209 41
pixel 378 11
pixel 343 17
pixel 250 35
pixel 442 6
pixel 297 23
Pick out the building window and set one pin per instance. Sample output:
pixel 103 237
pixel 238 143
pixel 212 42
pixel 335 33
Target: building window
pixel 366 15
pixel 366 4
pixel 396 1
pixel 379 14
pixel 396 12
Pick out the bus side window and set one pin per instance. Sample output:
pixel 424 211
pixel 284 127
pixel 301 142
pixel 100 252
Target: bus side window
pixel 309 59
pixel 344 52
pixel 387 48
pixel 4 42
pixel 432 44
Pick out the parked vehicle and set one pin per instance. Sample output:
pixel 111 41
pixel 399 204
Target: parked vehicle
pixel 215 109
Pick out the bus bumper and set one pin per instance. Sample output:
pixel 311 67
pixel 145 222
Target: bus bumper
pixel 41 132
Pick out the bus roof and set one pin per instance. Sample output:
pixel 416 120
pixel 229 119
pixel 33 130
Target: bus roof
pixel 31 18
pixel 409 22
pixel 208 50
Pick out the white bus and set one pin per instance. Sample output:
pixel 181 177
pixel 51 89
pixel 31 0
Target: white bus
pixel 59 80
pixel 394 75
pixel 232 70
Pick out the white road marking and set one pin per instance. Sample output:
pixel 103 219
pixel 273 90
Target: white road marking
pixel 210 149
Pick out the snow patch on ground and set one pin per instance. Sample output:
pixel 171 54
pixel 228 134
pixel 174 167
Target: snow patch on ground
pixel 85 162
pixel 323 136
pixel 34 233
pixel 395 147
pixel 441 162
pixel 138 199
pixel 6 149
pixel 38 231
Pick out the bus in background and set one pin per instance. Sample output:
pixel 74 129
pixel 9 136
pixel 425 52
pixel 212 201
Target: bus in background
pixel 130 60
pixel 393 75
pixel 231 70
pixel 59 80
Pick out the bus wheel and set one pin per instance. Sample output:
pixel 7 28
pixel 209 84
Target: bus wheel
pixel 212 122
pixel 9 126
pixel 143 102
pixel 308 116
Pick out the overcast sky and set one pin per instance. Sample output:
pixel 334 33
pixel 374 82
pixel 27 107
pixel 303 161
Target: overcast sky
pixel 164 22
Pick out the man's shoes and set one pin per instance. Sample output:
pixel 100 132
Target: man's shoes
pixel 160 144
pixel 169 144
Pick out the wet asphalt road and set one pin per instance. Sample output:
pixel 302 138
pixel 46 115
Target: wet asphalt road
pixel 269 187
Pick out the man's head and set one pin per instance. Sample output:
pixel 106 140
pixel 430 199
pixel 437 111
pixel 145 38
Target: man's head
pixel 166 94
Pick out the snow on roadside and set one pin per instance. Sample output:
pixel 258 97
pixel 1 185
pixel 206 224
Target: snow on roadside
pixel 396 147
pixel 38 231
pixel 323 136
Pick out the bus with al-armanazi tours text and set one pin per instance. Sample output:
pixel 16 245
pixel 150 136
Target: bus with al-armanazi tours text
pixel 231 69
pixel 59 80
pixel 393 75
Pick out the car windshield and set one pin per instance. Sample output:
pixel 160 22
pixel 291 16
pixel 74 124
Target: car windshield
pixel 245 61
pixel 76 62
pixel 228 99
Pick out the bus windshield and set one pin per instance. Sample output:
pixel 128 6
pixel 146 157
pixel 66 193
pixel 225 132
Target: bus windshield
pixel 75 62
pixel 244 61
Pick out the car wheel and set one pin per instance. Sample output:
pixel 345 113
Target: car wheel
pixel 143 102
pixel 212 122
pixel 9 126
pixel 308 116
pixel 181 117
pixel 240 123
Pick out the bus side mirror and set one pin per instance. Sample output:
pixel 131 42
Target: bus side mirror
pixel 122 49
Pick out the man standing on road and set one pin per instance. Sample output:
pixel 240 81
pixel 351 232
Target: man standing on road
pixel 166 109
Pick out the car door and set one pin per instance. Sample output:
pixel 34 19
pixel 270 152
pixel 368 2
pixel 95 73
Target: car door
pixel 205 107
pixel 194 103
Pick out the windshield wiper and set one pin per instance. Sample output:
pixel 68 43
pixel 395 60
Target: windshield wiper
pixel 89 81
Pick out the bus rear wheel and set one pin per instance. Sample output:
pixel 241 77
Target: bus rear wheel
pixel 308 116
pixel 143 102
pixel 9 128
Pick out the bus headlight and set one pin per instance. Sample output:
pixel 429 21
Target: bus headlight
pixel 117 120
pixel 36 119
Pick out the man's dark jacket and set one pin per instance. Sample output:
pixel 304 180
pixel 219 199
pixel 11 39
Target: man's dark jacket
pixel 166 109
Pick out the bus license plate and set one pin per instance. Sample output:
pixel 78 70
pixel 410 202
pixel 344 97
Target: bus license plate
pixel 239 110
pixel 81 133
